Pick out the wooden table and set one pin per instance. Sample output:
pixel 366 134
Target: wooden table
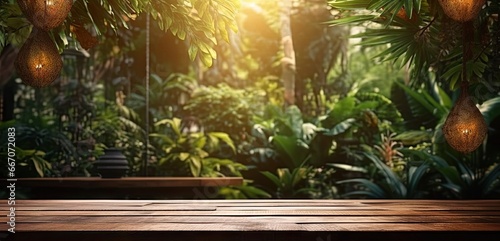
pixel 318 220
pixel 125 188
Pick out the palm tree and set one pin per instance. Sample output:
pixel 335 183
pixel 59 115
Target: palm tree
pixel 421 35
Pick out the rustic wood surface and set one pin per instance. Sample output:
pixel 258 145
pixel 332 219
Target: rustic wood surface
pixel 255 219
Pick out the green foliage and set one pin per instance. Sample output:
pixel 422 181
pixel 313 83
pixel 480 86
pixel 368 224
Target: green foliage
pixel 191 154
pixel 433 100
pixel 63 130
pixel 290 184
pixel 371 108
pixel 490 109
pixel 166 96
pixel 409 33
pixel 197 21
pixel 366 72
pixel 419 34
pixel 466 182
pixel 291 150
pixel 13 28
pixel 224 109
pixel 385 109
pixel 437 103
pixel 413 137
pixel 56 122
pixel 114 124
pixel 391 185
pixel 36 158
pixel 44 150
pixel 284 137
pixel 243 191
pixel 428 174
pixel 283 151
pixel 321 182
pixel 30 162
pixel 351 121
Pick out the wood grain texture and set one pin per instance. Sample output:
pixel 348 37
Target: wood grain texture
pixel 255 219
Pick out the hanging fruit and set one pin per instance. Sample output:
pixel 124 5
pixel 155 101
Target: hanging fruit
pixel 45 14
pixel 462 10
pixel 465 127
pixel 38 62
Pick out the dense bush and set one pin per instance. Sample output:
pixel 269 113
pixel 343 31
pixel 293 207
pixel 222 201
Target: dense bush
pixel 225 109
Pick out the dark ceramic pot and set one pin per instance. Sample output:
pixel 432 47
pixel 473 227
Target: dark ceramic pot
pixel 113 164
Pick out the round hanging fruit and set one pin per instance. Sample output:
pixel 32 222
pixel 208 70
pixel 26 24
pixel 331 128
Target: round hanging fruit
pixel 462 10
pixel 465 127
pixel 38 62
pixel 45 14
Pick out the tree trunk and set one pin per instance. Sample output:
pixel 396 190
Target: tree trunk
pixel 288 60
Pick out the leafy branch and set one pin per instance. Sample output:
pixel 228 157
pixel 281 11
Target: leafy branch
pixel 418 34
pixel 197 21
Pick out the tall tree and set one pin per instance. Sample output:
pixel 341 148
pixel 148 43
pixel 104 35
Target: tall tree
pixel 288 60
pixel 318 48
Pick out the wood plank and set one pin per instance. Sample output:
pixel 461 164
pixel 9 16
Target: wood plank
pixel 193 205
pixel 236 207
pixel 255 215
pixel 257 226
pixel 119 208
pixel 247 213
pixel 278 219
pixel 280 202
pixel 419 208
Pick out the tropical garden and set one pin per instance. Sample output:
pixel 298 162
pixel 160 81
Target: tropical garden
pixel 302 98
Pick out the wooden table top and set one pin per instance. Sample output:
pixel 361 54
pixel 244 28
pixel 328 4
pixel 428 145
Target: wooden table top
pixel 219 216
pixel 130 182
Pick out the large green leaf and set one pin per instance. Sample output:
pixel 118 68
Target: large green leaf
pixel 342 110
pixel 425 100
pixel 415 178
pixel 351 20
pixel 350 4
pixel 223 137
pixel 174 124
pixel 347 167
pixel 299 174
pixel 286 179
pixel 413 137
pixel 37 157
pixel 195 164
pixel 289 148
pixel 253 192
pixel 340 128
pixel 490 109
pixel 392 180
pixel 372 189
pixel 490 182
pixel 450 173
pixel 274 178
